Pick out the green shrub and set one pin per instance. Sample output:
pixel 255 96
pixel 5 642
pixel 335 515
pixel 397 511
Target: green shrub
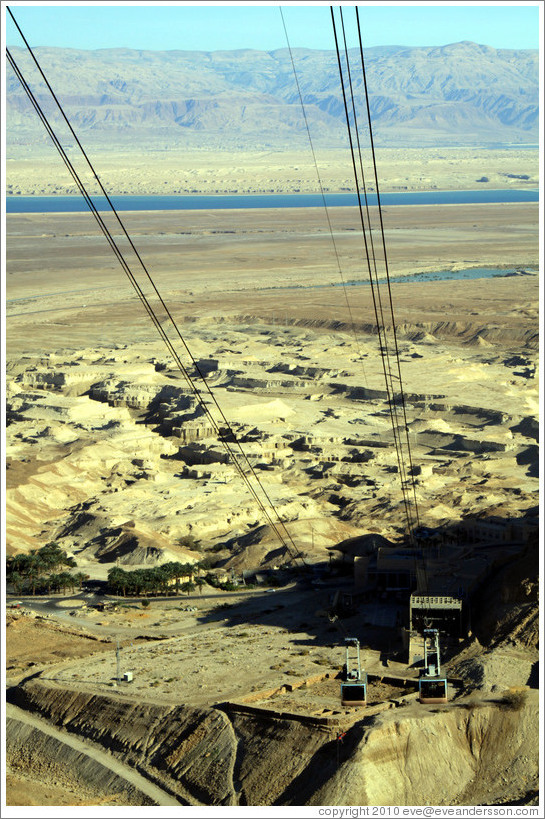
pixel 212 580
pixel 186 540
pixel 472 702
pixel 514 700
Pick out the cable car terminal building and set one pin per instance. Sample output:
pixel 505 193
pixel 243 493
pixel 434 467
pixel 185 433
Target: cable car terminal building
pixel 438 577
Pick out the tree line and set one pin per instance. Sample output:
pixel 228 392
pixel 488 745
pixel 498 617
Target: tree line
pixel 169 578
pixel 43 571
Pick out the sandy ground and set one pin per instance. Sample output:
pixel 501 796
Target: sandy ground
pixel 33 641
pixel 175 172
pixel 133 474
pixel 262 645
pixel 281 353
pixel 288 361
pixel 234 646
pixel 203 260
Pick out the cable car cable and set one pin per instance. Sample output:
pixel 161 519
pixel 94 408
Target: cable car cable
pixel 175 326
pixel 388 374
pixel 380 327
pixel 129 273
pixel 386 259
pixel 326 209
pixel 140 292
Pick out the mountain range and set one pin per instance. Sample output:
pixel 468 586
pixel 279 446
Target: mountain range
pixel 458 94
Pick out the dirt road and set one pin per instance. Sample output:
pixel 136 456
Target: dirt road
pixel 86 749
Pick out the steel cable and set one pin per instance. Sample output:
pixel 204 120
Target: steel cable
pixel 326 209
pixel 143 298
pixel 377 187
pixel 380 326
pixel 396 423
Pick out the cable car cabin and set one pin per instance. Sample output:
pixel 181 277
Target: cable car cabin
pixel 432 690
pixel 354 693
pixel 432 686
pixel 354 687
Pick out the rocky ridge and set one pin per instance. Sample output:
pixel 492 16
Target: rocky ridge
pixel 461 93
pixel 213 757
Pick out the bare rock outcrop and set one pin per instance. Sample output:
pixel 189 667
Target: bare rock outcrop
pixel 457 756
pixel 190 751
pixel 466 753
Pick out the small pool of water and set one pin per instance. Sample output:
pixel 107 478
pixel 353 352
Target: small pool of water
pixel 433 276
pixel 446 275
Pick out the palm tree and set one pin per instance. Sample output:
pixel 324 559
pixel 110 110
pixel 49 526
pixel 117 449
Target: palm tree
pixel 188 587
pixel 80 578
pixel 53 556
pixel 164 574
pixel 34 569
pixel 190 569
pixel 199 582
pixel 65 580
pixel 177 570
pixel 17 563
pixel 50 556
pixel 137 581
pixel 117 580
pixel 53 583
pixel 17 581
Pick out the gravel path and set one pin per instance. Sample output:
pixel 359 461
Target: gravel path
pixel 159 796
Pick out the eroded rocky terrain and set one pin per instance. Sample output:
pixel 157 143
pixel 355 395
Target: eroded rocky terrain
pixel 112 454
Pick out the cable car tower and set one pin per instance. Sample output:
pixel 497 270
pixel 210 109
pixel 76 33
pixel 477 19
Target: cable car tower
pixel 423 604
pixel 432 685
pixel 433 612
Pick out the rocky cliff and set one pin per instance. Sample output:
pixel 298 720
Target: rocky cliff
pixel 476 752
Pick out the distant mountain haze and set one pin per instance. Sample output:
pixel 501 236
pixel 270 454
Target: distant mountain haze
pixel 458 94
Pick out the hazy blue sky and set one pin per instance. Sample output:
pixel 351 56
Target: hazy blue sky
pixel 210 27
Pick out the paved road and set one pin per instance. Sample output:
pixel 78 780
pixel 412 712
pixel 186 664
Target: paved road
pixel 259 605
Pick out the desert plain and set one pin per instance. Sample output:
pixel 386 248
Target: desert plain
pixel 109 453
pixel 36 171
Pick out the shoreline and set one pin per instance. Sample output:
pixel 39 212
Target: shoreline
pixel 214 202
pixel 227 173
pixel 223 194
pixel 403 277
